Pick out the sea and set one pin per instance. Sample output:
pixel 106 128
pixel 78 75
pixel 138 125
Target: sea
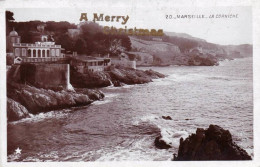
pixel 124 125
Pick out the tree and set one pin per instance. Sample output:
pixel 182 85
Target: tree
pixel 80 46
pixel 9 17
pixel 126 42
pixel 66 42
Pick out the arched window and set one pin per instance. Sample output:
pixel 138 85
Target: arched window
pixel 48 53
pixel 29 52
pixel 39 53
pixel 34 53
pixel 43 53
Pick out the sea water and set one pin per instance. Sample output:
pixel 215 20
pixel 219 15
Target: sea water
pixel 125 124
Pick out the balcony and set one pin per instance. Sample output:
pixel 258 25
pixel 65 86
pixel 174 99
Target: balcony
pixel 40 45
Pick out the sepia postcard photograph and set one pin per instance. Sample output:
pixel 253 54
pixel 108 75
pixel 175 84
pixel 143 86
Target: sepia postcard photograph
pixel 151 81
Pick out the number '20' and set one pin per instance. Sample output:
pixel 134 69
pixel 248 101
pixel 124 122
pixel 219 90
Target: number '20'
pixel 168 16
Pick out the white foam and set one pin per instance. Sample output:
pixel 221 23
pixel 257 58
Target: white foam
pixel 111 95
pixel 148 118
pixel 140 150
pixel 128 86
pixel 42 116
pixel 173 138
pixel 100 102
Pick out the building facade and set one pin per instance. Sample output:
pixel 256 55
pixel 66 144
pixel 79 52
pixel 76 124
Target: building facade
pixel 43 51
pixel 85 64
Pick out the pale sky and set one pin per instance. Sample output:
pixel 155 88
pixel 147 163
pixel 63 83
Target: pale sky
pixel 216 30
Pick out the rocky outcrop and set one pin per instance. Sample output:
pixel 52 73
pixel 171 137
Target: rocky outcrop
pixel 37 100
pixel 89 79
pixel 117 76
pixel 203 60
pixel 160 143
pixel 15 110
pixel 214 143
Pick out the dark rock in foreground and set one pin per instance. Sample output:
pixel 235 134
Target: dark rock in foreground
pixel 160 143
pixel 214 143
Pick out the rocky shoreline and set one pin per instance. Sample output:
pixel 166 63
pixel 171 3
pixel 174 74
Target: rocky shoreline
pixel 23 100
pixel 115 76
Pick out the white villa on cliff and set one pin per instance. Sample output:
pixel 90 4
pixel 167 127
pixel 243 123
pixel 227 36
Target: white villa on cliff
pixel 41 51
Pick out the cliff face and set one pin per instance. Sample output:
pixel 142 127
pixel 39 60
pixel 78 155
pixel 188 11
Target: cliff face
pixel 178 49
pixel 163 53
pixel 166 53
pixel 238 51
pixel 214 143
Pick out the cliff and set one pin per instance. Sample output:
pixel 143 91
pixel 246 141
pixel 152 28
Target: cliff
pixel 180 49
pixel 163 53
pixel 213 143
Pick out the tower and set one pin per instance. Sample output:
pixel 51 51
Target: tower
pixel 11 39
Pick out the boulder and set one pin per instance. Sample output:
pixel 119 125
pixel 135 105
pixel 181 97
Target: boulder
pixel 214 143
pixel 117 84
pixel 16 111
pixel 167 117
pixel 160 143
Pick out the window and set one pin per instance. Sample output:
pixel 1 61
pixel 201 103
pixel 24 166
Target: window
pixel 34 53
pixel 53 52
pixel 57 52
pixel 23 52
pixel 43 53
pixel 13 39
pixel 29 52
pixel 39 53
pixel 17 52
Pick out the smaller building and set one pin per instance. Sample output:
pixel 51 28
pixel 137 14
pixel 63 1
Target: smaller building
pixel 124 61
pixel 84 64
